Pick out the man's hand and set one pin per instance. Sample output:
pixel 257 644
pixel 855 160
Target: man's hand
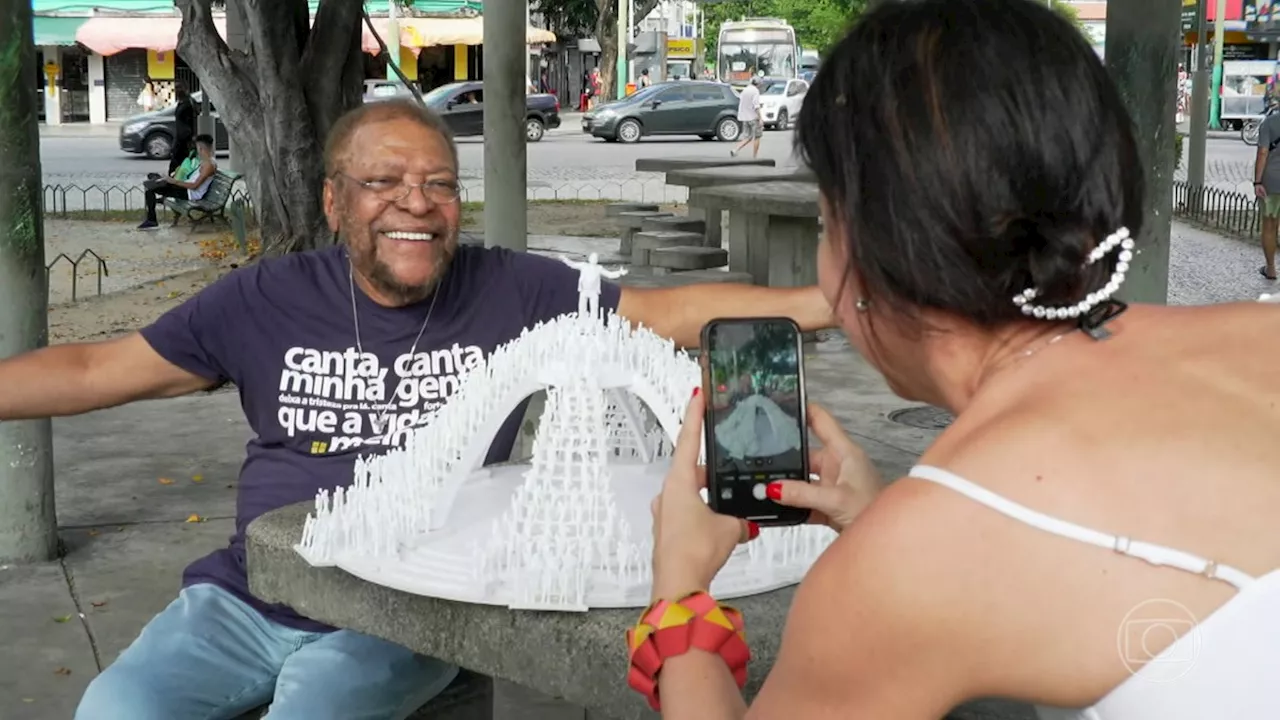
pixel 1260 191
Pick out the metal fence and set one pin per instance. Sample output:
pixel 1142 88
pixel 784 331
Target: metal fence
pixel 1226 211
pixel 62 200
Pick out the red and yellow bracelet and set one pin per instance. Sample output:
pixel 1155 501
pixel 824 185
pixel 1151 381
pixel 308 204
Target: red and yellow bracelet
pixel 667 629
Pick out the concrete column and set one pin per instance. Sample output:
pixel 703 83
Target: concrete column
pixel 506 219
pixel 28 524
pixel 52 93
pixel 97 89
pixel 1142 57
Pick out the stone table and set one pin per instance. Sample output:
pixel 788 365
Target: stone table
pixel 773 229
pixel 696 177
pixel 580 657
pixel 666 164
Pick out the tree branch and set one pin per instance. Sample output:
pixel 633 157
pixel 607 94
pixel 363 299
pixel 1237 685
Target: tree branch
pixel 385 54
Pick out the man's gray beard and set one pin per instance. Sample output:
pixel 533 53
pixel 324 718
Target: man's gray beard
pixel 381 277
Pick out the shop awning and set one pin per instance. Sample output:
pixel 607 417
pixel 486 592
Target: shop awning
pixel 56 30
pixel 417 33
pixel 110 35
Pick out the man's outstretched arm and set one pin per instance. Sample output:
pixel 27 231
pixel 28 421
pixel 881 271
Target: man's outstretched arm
pixel 679 313
pixel 73 379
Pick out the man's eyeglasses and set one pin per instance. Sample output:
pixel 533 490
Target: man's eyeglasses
pixel 437 191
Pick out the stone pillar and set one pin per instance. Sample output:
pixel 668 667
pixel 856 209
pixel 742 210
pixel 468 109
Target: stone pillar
pixel 506 219
pixel 1142 57
pixel 28 524
pixel 97 89
pixel 52 93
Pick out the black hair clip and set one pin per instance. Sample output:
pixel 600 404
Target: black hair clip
pixel 1093 322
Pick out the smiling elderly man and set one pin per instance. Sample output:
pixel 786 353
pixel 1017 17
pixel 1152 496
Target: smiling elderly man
pixel 334 353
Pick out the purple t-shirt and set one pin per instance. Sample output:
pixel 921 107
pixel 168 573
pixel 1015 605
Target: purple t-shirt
pixel 282 331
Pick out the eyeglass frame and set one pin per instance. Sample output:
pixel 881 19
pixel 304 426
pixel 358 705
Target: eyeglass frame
pixel 455 188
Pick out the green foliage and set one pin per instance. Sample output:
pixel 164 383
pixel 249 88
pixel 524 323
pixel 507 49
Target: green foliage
pixel 818 23
pixel 1177 149
pixel 1069 12
pixel 569 17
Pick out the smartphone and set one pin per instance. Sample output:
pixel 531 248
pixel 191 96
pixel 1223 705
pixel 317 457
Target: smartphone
pixel 756 425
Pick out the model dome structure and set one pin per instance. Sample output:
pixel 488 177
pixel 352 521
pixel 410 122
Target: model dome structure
pixel 570 530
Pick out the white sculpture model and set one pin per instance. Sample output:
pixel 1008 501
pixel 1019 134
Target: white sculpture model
pixel 589 274
pixel 571 530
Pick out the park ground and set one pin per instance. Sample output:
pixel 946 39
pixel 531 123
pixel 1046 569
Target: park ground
pixel 144 489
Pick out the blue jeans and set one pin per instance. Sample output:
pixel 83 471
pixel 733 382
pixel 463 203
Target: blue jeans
pixel 209 656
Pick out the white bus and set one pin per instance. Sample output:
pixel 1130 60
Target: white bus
pixel 756 46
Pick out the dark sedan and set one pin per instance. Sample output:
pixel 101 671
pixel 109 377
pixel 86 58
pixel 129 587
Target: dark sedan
pixel 461 104
pixel 152 133
pixel 686 107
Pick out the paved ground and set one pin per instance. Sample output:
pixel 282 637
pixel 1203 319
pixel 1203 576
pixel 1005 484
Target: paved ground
pixel 143 490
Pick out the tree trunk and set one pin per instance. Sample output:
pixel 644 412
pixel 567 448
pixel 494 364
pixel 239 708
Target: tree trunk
pixel 278 97
pixel 28 522
pixel 607 36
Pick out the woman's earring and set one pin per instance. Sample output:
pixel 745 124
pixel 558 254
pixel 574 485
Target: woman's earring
pixel 862 305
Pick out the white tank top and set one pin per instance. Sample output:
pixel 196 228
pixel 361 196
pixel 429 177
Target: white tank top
pixel 199 191
pixel 1226 667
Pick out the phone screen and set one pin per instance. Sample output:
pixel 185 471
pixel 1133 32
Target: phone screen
pixel 755 424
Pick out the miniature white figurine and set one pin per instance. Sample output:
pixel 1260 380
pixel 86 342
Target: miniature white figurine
pixel 570 530
pixel 589 274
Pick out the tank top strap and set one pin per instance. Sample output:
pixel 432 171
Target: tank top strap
pixel 1154 554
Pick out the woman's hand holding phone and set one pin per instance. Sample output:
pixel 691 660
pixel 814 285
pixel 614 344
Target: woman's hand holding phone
pixel 847 481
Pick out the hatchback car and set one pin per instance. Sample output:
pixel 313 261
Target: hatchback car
pixel 687 107
pixel 152 134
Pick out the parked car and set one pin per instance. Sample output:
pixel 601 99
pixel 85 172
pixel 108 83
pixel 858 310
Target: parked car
pixel 152 134
pixel 461 104
pixel 780 103
pixel 687 107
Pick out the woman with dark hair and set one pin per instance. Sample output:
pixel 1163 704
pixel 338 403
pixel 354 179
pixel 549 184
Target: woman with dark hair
pixel 982 194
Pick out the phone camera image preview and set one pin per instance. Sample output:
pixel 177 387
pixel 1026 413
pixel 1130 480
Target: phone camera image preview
pixel 755 401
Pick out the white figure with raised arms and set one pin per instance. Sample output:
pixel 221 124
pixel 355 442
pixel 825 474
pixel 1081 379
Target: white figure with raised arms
pixel 589 274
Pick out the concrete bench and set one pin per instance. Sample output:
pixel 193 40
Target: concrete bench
pixel 630 222
pixel 644 242
pixel 682 223
pixel 687 257
pixel 615 209
pixel 677 279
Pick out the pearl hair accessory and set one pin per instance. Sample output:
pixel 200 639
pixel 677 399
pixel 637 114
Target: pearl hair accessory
pixel 1118 238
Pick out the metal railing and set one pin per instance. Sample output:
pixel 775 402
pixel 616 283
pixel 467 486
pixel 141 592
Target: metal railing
pixel 101 267
pixel 61 200
pixel 1226 211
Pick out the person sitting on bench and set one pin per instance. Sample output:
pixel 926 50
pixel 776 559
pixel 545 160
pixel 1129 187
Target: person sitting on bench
pixel 192 188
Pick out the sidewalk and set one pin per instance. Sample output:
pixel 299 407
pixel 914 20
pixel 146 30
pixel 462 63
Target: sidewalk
pixel 80 130
pixel 145 489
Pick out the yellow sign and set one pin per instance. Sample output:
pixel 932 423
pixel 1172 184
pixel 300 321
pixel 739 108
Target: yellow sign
pixel 161 65
pixel 51 71
pixel 682 47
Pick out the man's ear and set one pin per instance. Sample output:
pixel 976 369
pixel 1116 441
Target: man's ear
pixel 330 204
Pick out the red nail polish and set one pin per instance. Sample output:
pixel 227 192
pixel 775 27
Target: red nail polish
pixel 773 491
pixel 696 390
pixel 753 530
